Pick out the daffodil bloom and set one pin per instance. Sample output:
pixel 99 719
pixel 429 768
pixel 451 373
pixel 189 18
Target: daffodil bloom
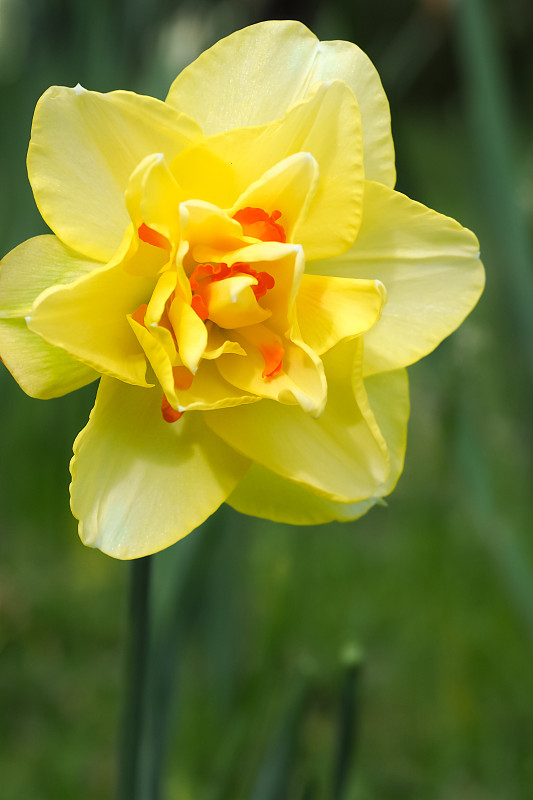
pixel 236 266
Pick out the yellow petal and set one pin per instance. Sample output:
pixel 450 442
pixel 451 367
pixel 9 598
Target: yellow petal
pixel 288 187
pixel 84 147
pixel 277 64
pixel 330 310
pixel 262 493
pixel 34 266
pixel 301 377
pixel 341 455
pixel 191 333
pixel 429 265
pixel 335 139
pixel 153 198
pixel 141 259
pixel 344 60
pixel 41 369
pixel 156 336
pixel 388 395
pixel 326 125
pixel 88 319
pixel 158 355
pixel 217 344
pixel 166 284
pixel 232 303
pixel 139 483
pixel 210 231
pixel 209 390
pixel 248 78
pixel 286 264
pixel 204 176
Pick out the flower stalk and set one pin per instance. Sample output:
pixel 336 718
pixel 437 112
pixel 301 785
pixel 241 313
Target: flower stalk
pixel 136 670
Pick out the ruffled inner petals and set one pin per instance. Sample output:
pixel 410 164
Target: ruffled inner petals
pixel 330 310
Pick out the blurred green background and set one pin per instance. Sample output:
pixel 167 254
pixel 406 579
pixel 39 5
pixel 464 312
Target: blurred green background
pixel 259 627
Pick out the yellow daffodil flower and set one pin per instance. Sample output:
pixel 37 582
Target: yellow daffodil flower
pixel 237 267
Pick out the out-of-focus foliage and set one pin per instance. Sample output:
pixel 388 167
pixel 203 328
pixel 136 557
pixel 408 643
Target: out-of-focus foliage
pixel 435 591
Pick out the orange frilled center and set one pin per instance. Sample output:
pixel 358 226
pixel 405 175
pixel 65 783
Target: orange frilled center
pixel 256 223
pixel 206 274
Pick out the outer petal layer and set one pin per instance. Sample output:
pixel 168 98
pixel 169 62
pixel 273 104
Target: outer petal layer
pixel 341 455
pixel 277 65
pixel 430 267
pixel 262 493
pixel 84 147
pixel 41 369
pixel 139 483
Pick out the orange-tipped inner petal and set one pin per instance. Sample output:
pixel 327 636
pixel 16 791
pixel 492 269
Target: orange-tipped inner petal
pixel 169 414
pixel 199 305
pixel 183 377
pixel 257 223
pixel 273 355
pixel 139 314
pixel 152 237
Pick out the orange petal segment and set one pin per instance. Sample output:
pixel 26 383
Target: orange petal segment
pixel 140 314
pixel 257 223
pixel 273 353
pixel 198 305
pixel 183 377
pixel 150 236
pixel 169 414
pixel 265 281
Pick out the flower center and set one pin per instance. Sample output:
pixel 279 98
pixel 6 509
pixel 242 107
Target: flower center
pixel 226 296
pixel 242 283
pixel 205 275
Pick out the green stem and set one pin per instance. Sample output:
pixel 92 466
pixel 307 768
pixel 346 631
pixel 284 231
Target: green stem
pixel 347 723
pixel 137 648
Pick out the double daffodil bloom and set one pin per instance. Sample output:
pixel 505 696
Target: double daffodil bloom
pixel 236 267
